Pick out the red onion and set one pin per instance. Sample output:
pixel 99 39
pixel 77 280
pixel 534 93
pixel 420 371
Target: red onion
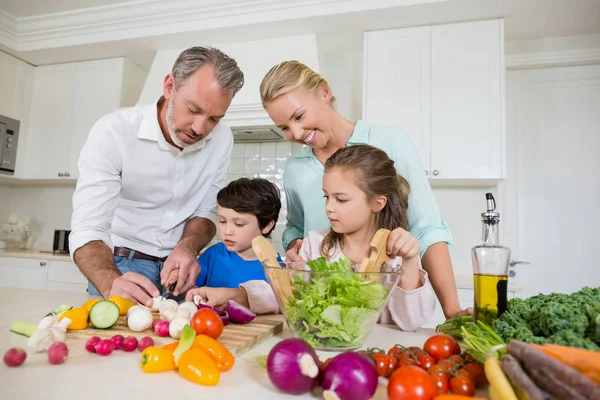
pixel 223 314
pixel 349 376
pixel 238 313
pixel 293 366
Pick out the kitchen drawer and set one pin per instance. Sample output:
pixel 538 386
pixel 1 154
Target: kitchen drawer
pixel 66 287
pixel 67 272
pixel 23 273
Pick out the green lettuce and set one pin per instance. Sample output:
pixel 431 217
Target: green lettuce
pixel 334 310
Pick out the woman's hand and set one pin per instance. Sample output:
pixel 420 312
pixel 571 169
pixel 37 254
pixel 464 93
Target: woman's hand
pixel 293 249
pixel 402 243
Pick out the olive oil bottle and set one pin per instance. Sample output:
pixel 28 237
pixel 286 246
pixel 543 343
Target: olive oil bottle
pixel 490 268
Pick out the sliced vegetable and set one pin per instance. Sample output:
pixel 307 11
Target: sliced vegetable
pixel 157 359
pixel 293 366
pixel 585 361
pixel 187 339
pixel 23 328
pixel 350 376
pixel 58 353
pixel 239 313
pixel 497 379
pixel 197 366
pixel 15 357
pixel 411 382
pixel 535 359
pixel 219 353
pixel 78 317
pixel 60 309
pixel 522 384
pixel 104 314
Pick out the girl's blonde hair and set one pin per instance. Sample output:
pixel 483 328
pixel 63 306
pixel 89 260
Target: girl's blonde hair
pixel 376 176
pixel 287 76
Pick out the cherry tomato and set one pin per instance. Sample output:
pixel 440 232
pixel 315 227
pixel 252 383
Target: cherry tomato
pixel 417 351
pixel 439 370
pixel 477 373
pixel 411 382
pixel 382 364
pixel 467 357
pixel 462 386
pixel 325 363
pixel 441 383
pixel 406 361
pixel 207 322
pixel 425 361
pixel 398 351
pixel 441 346
pixel 456 359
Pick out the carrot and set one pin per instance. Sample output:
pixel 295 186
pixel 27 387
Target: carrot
pixel 549 382
pixel 497 379
pixel 585 361
pixel 522 384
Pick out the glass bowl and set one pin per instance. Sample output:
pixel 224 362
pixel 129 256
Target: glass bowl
pixel 331 310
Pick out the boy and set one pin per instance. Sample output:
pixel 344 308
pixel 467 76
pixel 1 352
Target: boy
pixel 230 269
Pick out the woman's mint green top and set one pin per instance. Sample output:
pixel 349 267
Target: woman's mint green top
pixel 303 186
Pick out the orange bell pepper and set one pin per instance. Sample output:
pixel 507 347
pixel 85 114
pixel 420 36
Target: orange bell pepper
pixel 78 317
pixel 219 353
pixel 196 366
pixel 171 346
pixel 157 359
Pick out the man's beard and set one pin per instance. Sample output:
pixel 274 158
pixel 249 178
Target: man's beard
pixel 171 126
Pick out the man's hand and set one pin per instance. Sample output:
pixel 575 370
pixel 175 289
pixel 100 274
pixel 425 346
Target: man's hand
pixel 135 287
pixel 218 297
pixel 188 267
pixel 293 249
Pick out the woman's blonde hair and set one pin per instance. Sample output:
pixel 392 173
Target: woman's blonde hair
pixel 287 76
pixel 376 176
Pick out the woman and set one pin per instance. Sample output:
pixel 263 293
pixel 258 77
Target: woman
pixel 302 105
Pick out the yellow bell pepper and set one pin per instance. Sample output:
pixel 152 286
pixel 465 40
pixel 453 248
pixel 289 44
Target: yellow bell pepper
pixel 90 303
pixel 196 366
pixel 78 317
pixel 123 304
pixel 157 359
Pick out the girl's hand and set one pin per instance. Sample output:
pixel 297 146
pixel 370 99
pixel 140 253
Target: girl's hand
pixel 402 243
pixel 218 297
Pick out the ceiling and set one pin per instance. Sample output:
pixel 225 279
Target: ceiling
pixel 523 20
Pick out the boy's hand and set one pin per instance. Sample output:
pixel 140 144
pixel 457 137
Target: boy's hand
pixel 218 297
pixel 402 243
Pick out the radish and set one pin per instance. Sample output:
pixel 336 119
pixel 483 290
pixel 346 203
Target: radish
pixel 154 323
pixel 349 376
pixel 57 353
pixel 90 345
pixel 130 343
pixel 104 347
pixel 117 341
pixel 162 328
pixel 293 366
pixel 146 341
pixel 15 357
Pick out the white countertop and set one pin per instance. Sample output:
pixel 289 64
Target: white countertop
pixel 118 376
pixel 34 253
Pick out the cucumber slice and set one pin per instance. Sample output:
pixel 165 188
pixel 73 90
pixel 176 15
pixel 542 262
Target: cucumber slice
pixel 104 314
pixel 60 309
pixel 23 328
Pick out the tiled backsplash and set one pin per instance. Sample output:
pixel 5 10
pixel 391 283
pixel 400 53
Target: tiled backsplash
pixel 263 160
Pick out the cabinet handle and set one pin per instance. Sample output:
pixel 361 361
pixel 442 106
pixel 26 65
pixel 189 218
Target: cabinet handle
pixel 513 263
pixel 436 172
pixel 60 174
pixel 67 174
pixel 512 273
pixel 42 263
pixel 426 172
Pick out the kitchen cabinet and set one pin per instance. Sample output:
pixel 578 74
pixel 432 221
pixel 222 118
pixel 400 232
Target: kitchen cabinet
pixel 23 273
pixel 444 87
pixel 67 99
pixel 66 276
pixel 15 81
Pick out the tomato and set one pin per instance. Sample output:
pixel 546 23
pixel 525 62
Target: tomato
pixel 425 361
pixel 456 360
pixel 477 373
pixel 441 346
pixel 417 351
pixel 382 364
pixel 462 386
pixel 406 361
pixel 411 382
pixel 441 383
pixel 207 322
pixel 325 363
pixel 439 370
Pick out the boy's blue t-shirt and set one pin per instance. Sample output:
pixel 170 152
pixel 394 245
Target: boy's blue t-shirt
pixel 220 267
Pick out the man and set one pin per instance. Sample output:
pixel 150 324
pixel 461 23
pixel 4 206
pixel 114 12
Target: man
pixel 145 202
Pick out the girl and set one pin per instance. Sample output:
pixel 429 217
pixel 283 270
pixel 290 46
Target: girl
pixel 364 193
pixel 301 103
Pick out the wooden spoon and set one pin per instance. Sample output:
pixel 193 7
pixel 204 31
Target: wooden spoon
pixel 378 252
pixel 267 255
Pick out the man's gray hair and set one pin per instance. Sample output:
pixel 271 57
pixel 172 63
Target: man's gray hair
pixel 227 72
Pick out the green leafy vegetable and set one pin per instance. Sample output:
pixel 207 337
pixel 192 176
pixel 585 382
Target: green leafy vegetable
pixel 568 320
pixel 334 309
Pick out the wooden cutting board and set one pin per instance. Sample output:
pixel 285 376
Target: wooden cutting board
pixel 237 338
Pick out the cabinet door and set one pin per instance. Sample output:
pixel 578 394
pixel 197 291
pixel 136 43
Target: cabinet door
pixel 65 272
pixel 467 100
pixel 23 273
pixel 397 78
pixel 97 92
pixel 50 121
pixel 13 80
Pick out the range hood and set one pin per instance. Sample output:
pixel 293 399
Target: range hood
pixel 246 116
